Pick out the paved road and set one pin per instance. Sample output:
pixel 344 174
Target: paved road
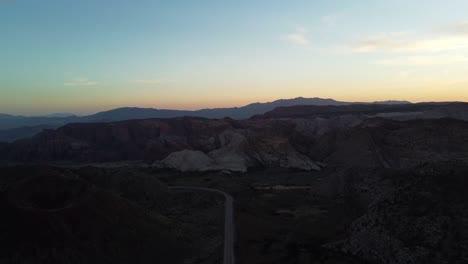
pixel 228 220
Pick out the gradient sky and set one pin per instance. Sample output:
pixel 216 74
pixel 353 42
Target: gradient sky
pixel 89 55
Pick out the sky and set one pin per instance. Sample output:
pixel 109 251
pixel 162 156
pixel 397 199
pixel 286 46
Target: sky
pixel 91 55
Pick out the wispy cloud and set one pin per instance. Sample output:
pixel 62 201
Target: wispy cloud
pixel 459 28
pixel 404 74
pixel 392 44
pixel 454 82
pixel 453 37
pixel 299 37
pixel 392 41
pixel 80 82
pixel 329 20
pixel 153 82
pixel 423 60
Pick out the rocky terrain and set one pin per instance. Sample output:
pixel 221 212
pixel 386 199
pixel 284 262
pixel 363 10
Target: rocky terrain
pixel 330 184
pixel 416 215
pixel 301 137
pixel 347 215
pixel 207 144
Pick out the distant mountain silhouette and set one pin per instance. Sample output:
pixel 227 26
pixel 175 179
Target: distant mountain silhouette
pixel 10 125
pixel 129 113
pixel 256 108
pixel 392 102
pixel 6 116
pixel 22 132
pixel 14 122
pixel 59 115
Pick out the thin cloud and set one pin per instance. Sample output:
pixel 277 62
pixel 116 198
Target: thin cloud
pixel 459 28
pixel 453 37
pixel 154 82
pixel 454 82
pixel 383 42
pixel 423 60
pixel 298 37
pixel 80 82
pixel 329 20
pixel 404 74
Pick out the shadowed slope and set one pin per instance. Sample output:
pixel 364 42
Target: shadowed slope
pixel 53 216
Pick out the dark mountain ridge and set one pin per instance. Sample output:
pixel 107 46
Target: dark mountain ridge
pixel 6 116
pixel 408 111
pixel 9 122
pixel 244 112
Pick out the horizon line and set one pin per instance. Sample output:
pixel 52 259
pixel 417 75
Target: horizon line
pixel 208 108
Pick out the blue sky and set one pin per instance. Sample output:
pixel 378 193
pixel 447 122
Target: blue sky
pixel 90 55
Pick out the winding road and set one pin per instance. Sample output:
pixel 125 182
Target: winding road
pixel 228 219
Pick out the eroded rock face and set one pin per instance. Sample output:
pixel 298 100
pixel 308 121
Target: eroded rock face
pixel 237 153
pixel 231 156
pixel 296 143
pixel 189 160
pixel 185 144
pixel 194 160
pixel 152 139
pixel 319 126
pixel 278 152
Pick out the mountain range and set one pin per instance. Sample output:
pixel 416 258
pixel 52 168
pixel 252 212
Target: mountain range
pixel 17 127
pixel 283 137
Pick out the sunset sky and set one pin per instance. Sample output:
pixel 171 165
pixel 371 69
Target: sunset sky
pixel 83 56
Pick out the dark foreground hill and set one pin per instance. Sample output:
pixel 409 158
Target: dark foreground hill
pixel 95 215
pixel 54 216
